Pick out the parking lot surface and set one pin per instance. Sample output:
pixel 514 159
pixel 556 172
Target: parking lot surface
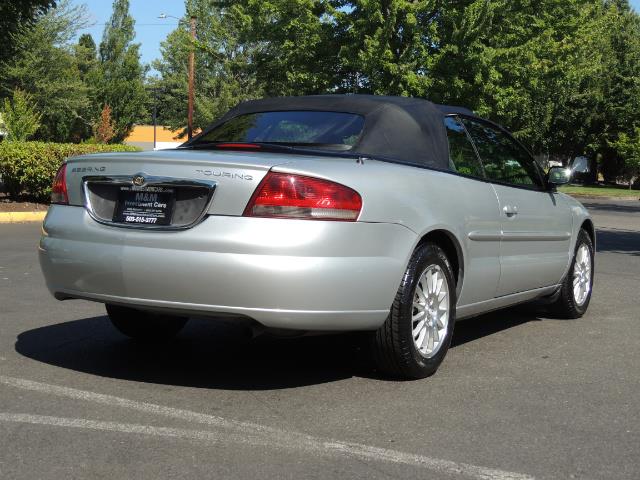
pixel 519 395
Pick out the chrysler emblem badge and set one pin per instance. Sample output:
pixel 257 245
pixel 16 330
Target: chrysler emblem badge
pixel 138 180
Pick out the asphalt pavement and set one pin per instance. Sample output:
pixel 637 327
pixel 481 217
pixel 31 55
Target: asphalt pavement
pixel 519 395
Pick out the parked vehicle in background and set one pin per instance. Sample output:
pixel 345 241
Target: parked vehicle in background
pixel 388 215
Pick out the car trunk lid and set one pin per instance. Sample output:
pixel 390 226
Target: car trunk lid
pixel 166 189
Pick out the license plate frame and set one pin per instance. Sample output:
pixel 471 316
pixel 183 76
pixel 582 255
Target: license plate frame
pixel 150 205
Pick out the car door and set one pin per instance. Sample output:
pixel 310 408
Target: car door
pixel 536 223
pixel 481 218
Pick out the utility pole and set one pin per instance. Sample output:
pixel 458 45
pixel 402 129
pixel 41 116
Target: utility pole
pixel 192 61
pixel 155 113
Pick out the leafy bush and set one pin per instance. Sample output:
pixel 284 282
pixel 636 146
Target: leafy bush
pixel 29 167
pixel 20 117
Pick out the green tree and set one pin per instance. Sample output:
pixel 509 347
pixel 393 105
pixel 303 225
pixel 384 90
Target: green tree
pixel 46 68
pixel 628 147
pixel 224 73
pixel 621 87
pixel 549 70
pixel 531 65
pixel 20 117
pixel 86 55
pixel 385 47
pixel 294 49
pixel 121 82
pixel 16 15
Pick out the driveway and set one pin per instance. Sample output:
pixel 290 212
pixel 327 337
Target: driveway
pixel 519 395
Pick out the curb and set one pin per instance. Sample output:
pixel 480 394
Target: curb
pixel 22 217
pixel 603 197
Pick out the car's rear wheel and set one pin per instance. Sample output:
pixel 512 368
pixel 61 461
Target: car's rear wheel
pixel 575 294
pixel 415 338
pixel 145 326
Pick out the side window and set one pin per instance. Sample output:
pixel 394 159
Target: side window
pixel 503 159
pixel 462 156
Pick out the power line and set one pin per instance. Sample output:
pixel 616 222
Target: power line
pixel 136 25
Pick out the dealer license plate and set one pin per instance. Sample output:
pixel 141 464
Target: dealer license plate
pixel 144 205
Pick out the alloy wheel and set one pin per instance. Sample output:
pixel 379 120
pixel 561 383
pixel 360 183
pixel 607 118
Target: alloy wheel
pixel 582 275
pixel 430 312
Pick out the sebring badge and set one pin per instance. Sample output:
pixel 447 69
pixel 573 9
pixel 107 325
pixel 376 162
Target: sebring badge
pixel 138 180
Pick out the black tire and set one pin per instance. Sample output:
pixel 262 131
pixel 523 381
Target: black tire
pixel 144 326
pixel 565 306
pixel 394 349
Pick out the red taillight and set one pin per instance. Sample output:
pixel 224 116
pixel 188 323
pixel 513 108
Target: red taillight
pixel 294 196
pixel 59 188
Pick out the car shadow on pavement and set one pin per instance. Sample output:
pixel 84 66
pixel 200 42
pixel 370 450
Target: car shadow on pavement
pixel 206 354
pixel 627 207
pixel 220 355
pixel 618 241
pixel 473 329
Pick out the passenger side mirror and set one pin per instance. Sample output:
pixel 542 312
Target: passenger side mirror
pixel 558 176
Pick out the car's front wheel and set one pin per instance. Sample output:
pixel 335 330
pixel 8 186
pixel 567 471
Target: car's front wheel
pixel 142 325
pixel 415 338
pixel 575 294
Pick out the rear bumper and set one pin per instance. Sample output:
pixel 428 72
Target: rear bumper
pixel 309 275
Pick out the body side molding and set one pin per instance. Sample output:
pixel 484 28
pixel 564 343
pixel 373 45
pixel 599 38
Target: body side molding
pixel 480 236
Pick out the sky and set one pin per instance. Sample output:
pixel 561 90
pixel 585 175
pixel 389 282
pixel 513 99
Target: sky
pixel 150 30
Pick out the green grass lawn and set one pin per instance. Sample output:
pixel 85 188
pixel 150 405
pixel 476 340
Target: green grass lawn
pixel 596 191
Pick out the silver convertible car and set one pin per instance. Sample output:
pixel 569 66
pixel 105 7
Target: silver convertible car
pixel 392 216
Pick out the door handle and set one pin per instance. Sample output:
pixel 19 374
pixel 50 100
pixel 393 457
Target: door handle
pixel 510 210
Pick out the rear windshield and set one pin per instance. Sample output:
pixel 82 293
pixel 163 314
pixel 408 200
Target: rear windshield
pixel 303 128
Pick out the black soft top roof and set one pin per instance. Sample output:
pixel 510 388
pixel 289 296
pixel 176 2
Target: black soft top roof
pixel 408 130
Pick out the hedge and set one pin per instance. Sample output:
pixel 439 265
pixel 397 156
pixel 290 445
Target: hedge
pixel 29 167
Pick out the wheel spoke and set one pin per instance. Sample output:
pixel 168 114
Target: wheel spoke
pixel 429 282
pixel 439 283
pixel 422 299
pixel 425 338
pixel 418 328
pixel 421 336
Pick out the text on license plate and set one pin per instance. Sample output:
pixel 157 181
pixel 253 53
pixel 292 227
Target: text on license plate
pixel 144 205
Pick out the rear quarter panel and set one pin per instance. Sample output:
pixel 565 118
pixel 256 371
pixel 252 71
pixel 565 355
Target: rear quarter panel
pixel 424 200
